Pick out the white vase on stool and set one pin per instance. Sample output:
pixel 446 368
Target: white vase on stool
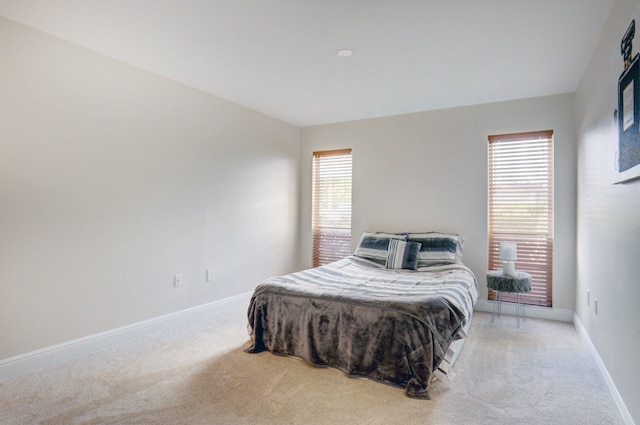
pixel 508 255
pixel 509 268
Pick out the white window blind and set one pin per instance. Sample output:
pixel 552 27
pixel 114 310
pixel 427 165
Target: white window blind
pixel 521 207
pixel 331 221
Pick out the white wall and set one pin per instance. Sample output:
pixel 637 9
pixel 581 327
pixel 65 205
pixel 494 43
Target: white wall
pixel 608 216
pixel 113 179
pixel 428 171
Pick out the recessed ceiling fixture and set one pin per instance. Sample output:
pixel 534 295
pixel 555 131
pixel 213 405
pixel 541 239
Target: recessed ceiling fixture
pixel 345 53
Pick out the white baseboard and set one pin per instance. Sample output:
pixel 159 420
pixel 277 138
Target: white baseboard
pixel 558 314
pixel 625 416
pixel 18 365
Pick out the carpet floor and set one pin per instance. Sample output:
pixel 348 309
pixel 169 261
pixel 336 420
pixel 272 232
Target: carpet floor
pixel 540 373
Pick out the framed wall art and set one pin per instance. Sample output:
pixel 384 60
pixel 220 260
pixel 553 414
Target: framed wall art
pixel 628 112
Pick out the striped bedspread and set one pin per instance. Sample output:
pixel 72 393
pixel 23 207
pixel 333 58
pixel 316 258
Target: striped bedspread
pixel 393 326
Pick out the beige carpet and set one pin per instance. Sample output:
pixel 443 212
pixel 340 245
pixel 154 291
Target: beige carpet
pixel 540 373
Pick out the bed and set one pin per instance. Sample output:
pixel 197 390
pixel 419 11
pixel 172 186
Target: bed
pixel 392 312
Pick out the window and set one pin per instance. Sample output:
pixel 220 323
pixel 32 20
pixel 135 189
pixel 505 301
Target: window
pixel 331 221
pixel 521 207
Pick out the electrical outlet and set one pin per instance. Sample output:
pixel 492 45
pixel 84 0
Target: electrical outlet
pixel 209 275
pixel 177 280
pixel 588 298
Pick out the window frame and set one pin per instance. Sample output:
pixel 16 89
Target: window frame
pixel 332 184
pixel 521 208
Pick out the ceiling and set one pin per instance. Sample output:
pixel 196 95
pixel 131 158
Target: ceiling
pixel 280 57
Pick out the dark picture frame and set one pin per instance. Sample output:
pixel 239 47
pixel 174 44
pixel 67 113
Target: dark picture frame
pixel 628 112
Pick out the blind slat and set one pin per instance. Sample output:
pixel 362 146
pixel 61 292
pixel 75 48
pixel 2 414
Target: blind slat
pixel 521 208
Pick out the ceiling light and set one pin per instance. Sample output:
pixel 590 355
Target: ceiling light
pixel 345 53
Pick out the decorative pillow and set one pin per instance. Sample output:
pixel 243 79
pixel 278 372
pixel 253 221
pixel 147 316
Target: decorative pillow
pixel 374 246
pixel 437 248
pixel 402 255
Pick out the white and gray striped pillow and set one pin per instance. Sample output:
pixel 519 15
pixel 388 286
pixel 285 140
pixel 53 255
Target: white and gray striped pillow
pixel 402 255
pixel 374 246
pixel 437 248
